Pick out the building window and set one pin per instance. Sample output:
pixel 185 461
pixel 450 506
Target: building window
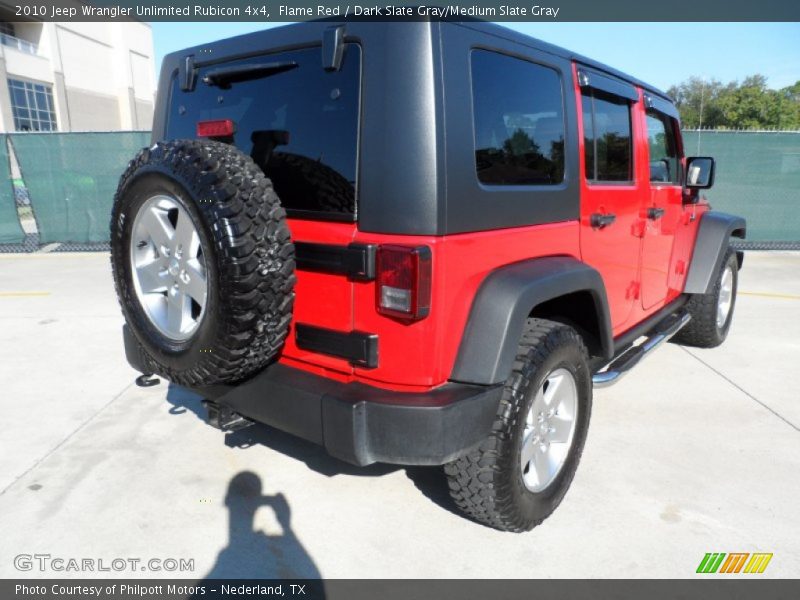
pixel 32 105
pixel 7 29
pixel 519 121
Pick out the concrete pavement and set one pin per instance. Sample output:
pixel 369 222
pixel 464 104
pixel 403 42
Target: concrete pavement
pixel 696 451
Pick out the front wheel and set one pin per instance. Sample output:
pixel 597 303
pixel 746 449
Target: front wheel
pixel 712 313
pixel 519 474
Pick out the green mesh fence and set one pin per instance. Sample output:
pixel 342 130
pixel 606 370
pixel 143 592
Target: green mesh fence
pixel 10 230
pixel 758 177
pixel 71 179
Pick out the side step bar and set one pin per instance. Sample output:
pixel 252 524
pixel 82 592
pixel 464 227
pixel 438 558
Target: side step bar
pixel 632 355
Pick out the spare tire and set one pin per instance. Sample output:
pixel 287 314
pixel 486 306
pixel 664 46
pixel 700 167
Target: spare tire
pixel 202 261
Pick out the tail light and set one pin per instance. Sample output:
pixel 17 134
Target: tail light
pixel 403 276
pixel 219 128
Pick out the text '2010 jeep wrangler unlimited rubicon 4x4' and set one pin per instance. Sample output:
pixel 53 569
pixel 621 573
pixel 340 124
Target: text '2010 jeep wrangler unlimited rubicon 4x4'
pixel 416 243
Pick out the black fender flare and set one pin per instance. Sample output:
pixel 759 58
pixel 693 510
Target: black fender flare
pixel 713 237
pixel 504 301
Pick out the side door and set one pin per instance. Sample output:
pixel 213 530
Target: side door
pixel 663 207
pixel 611 190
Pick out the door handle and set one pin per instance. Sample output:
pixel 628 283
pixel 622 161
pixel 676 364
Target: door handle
pixel 601 220
pixel 654 213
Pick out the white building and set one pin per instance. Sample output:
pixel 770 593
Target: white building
pixel 76 76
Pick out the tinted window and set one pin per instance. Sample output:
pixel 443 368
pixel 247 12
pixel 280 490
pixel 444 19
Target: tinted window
pixel 518 119
pixel 607 138
pixel 664 163
pixel 300 126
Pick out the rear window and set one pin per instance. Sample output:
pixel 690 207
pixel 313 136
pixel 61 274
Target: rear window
pixel 298 122
pixel 518 119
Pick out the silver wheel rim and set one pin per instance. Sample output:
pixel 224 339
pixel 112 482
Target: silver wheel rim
pixel 549 430
pixel 725 297
pixel 168 267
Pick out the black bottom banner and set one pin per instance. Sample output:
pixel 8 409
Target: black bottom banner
pixel 399 589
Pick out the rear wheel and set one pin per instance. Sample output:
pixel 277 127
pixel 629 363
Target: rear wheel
pixel 519 474
pixel 712 313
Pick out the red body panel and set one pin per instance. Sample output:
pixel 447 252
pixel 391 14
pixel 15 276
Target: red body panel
pixel 423 353
pixel 643 264
pixel 418 355
pixel 321 299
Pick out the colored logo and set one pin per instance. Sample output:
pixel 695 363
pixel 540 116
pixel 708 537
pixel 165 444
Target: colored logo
pixel 735 562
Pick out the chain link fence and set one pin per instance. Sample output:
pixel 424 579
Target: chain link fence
pixel 56 189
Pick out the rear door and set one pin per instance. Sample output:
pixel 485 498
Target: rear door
pixel 664 202
pixel 299 122
pixel 611 191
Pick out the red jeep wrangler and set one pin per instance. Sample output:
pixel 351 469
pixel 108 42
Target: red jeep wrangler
pixel 416 243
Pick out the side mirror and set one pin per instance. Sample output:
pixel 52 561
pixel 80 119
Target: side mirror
pixel 699 172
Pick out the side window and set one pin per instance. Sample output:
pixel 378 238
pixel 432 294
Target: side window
pixel 663 147
pixel 518 113
pixel 608 144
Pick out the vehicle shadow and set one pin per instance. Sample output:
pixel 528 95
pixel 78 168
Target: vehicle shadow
pixel 183 401
pixel 314 456
pixel 252 553
pixel 429 481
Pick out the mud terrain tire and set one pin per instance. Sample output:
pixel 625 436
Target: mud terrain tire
pixel 240 245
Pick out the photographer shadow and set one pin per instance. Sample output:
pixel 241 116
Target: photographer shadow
pixel 252 553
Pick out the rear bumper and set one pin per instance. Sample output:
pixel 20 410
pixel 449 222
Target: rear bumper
pixel 358 423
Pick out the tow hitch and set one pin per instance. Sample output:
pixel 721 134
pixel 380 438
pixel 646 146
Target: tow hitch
pixel 222 417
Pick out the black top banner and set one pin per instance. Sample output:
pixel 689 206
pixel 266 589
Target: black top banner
pixel 269 11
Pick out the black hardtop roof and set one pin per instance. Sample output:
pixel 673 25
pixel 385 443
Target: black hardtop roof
pixel 257 38
pixel 527 40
